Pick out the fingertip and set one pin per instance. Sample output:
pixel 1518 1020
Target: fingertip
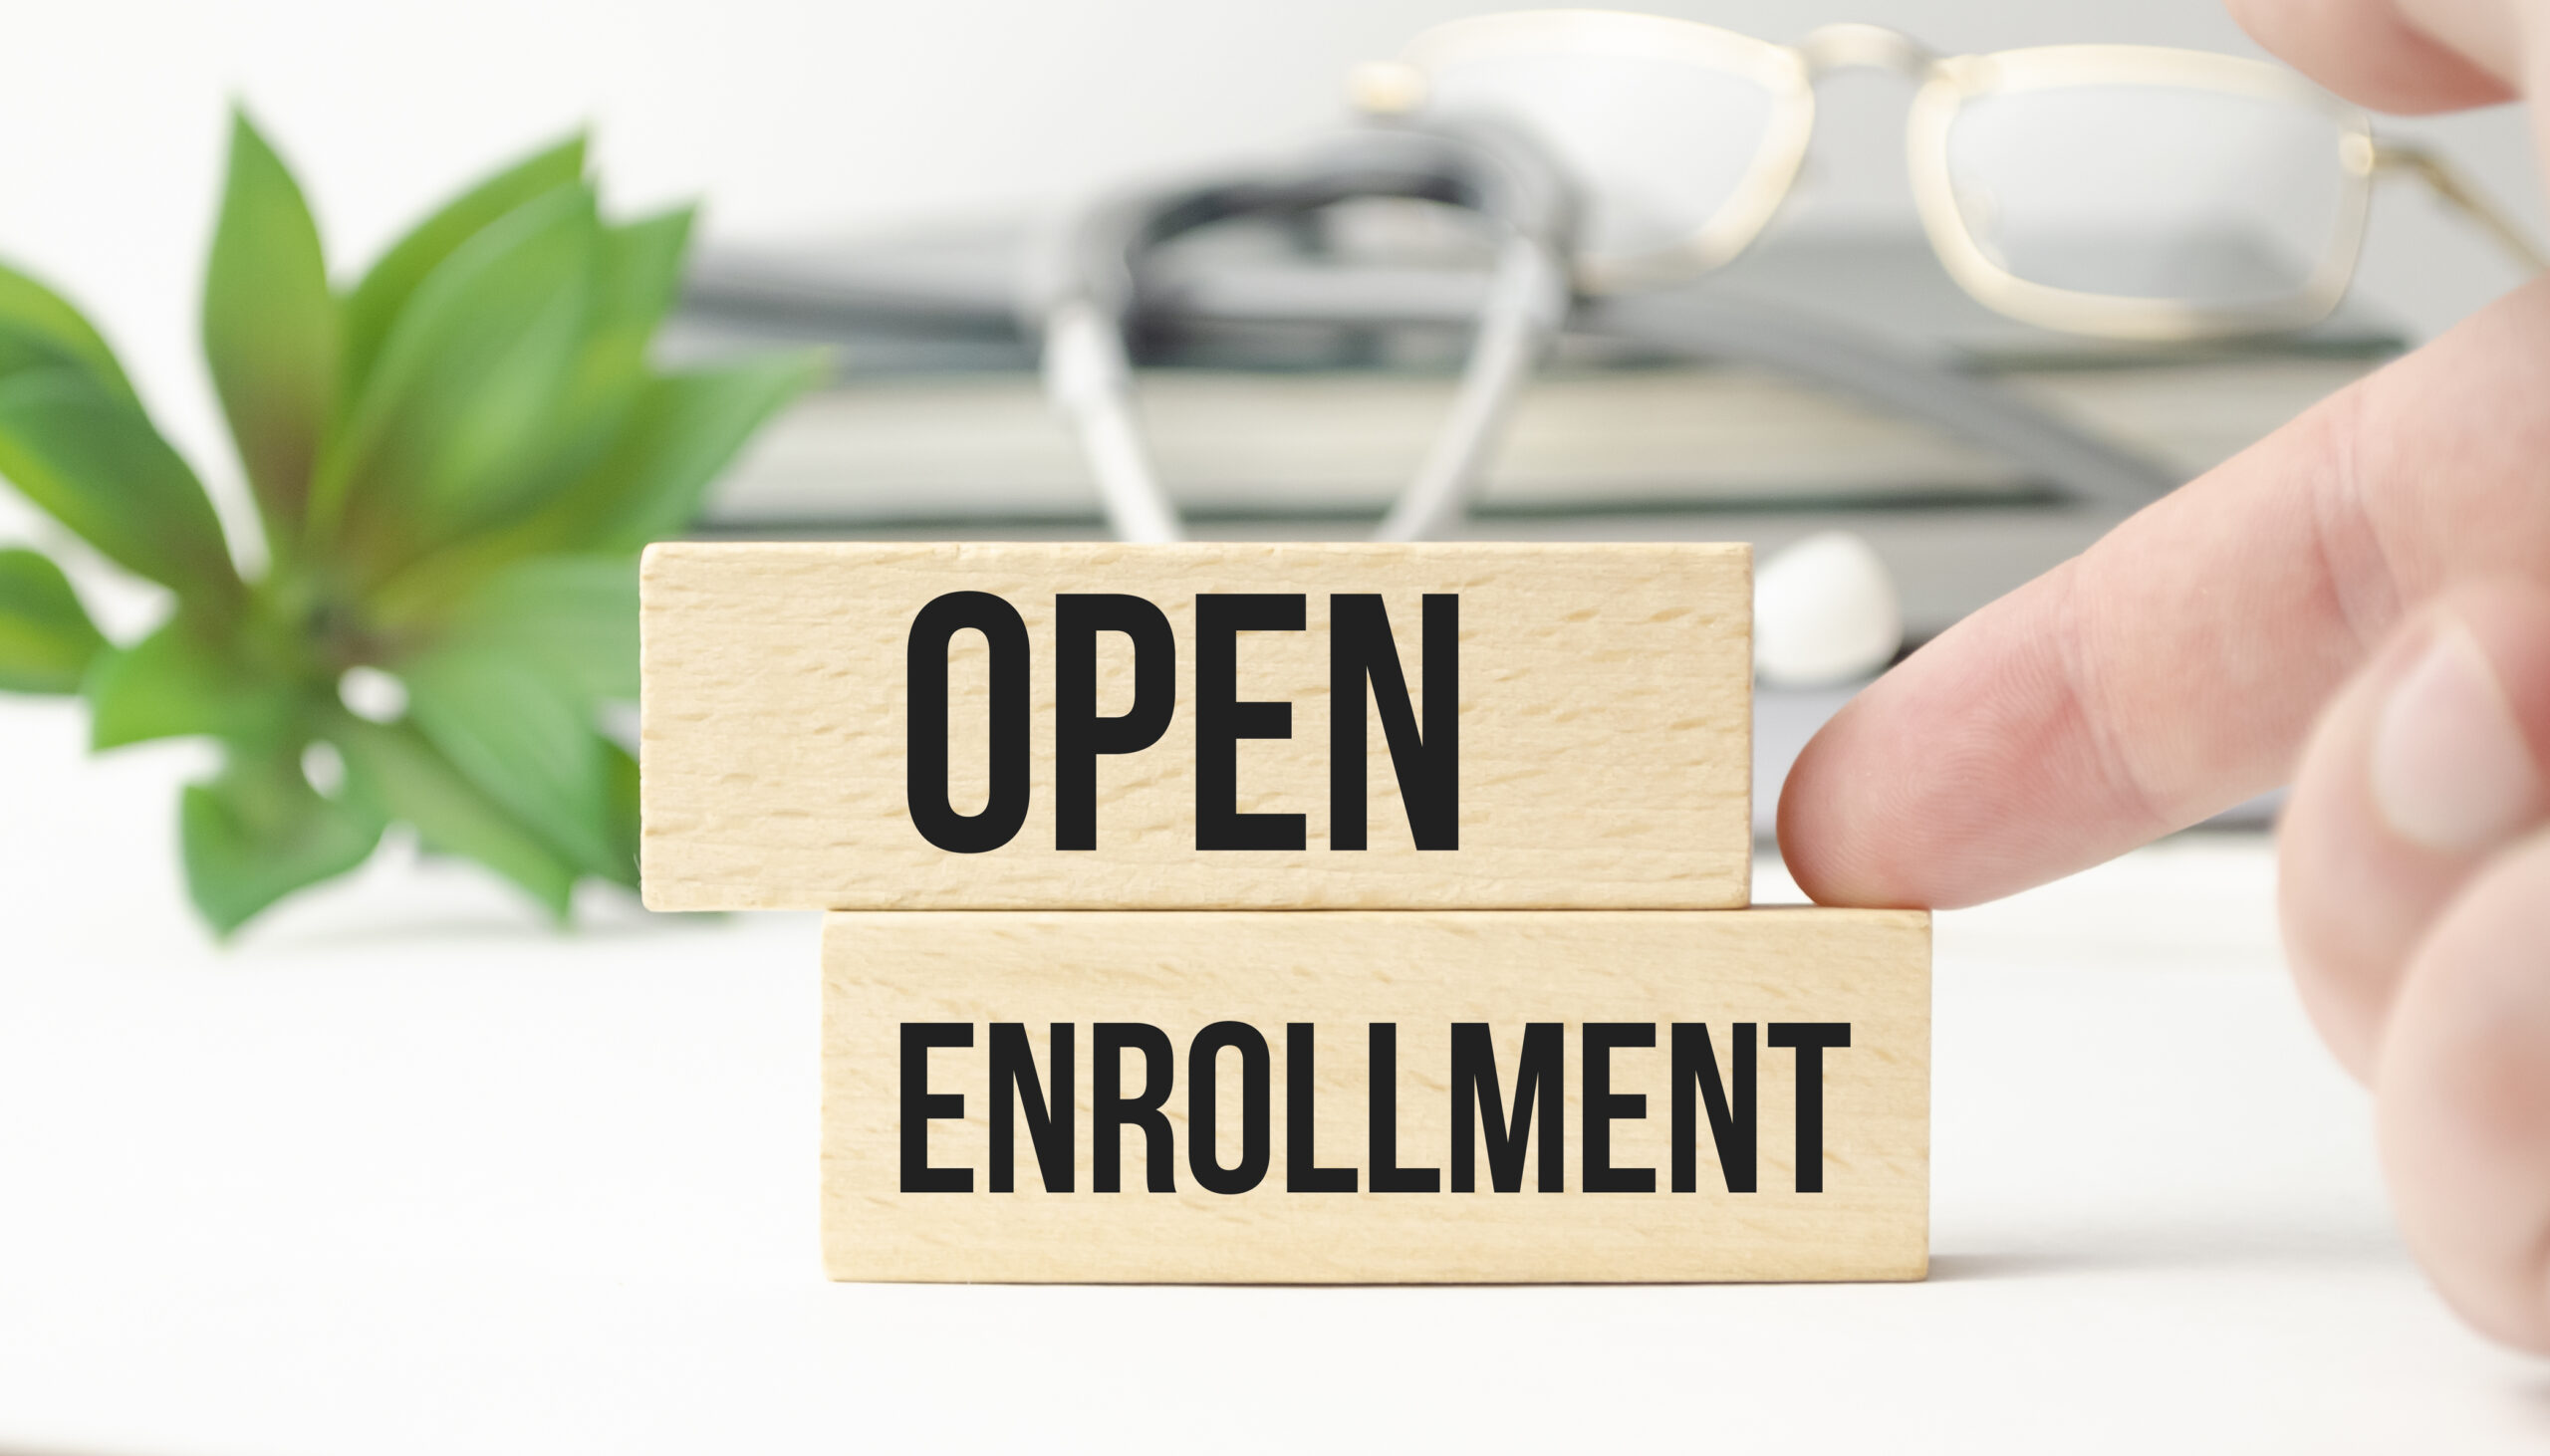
pixel 1903 802
pixel 1850 826
pixel 1971 771
pixel 1815 833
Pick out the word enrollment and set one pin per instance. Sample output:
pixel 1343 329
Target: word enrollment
pixel 1526 1130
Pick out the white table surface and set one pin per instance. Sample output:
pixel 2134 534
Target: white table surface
pixel 407 1171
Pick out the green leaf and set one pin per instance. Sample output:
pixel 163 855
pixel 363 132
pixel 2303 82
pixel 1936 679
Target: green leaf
pixel 393 769
pixel 685 433
pixel 270 326
pixel 523 735
pixel 636 270
pixel 259 831
pixel 619 781
pixel 641 273
pixel 575 616
pixel 92 459
pixel 46 639
pixel 376 304
pixel 457 414
pixel 509 694
pixel 32 311
pixel 25 350
pixel 183 681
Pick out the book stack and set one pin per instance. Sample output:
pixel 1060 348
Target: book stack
pixel 1286 913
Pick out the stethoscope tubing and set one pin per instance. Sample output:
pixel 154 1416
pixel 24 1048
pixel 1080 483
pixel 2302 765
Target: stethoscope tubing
pixel 1088 373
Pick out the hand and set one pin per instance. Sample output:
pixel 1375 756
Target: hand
pixel 2380 567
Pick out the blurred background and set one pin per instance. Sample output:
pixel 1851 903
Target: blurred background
pixel 803 125
pixel 847 153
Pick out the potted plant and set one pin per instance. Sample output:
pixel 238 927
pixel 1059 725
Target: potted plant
pixel 454 457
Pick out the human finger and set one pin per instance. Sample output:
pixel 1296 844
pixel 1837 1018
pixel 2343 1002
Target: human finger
pixel 2430 762
pixel 2174 668
pixel 2398 55
pixel 2461 1090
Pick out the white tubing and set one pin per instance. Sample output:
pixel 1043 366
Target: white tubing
pixel 1526 301
pixel 1091 383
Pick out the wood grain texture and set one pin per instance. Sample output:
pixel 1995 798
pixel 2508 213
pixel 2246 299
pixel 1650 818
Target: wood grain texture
pixel 1343 971
pixel 1605 729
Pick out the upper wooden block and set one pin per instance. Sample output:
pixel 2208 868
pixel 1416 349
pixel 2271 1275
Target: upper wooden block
pixel 1599 757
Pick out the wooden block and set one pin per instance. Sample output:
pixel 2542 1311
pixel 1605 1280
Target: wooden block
pixel 1600 756
pixel 920 1009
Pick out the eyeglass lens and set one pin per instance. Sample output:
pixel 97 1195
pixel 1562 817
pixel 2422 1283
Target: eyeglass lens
pixel 2152 191
pixel 1659 146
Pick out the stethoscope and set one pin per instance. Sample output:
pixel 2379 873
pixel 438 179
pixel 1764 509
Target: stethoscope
pixel 1092 286
pixel 1829 595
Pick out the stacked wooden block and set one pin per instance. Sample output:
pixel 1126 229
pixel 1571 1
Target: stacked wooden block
pixel 1287 913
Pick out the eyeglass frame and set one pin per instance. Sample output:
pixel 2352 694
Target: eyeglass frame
pixel 1948 84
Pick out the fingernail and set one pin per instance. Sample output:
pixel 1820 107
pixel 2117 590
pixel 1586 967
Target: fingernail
pixel 2451 768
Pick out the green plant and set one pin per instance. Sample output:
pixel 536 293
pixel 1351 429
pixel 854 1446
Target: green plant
pixel 454 460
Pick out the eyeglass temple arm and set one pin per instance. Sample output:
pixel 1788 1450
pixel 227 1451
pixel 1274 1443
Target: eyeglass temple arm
pixel 2457 191
pixel 2085 469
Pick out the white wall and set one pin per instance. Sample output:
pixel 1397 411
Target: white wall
pixel 800 117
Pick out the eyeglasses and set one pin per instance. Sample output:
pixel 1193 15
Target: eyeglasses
pixel 2132 192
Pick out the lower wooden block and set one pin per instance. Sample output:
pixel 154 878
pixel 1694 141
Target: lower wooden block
pixel 1376 1097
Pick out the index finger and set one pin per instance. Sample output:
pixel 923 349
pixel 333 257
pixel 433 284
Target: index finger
pixel 2172 669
